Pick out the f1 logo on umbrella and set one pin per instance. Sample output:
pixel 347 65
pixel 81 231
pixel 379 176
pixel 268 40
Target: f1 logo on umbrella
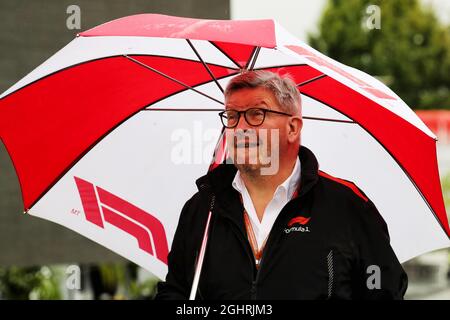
pixel 140 224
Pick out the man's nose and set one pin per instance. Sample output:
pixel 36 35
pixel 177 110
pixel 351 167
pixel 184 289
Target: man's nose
pixel 242 124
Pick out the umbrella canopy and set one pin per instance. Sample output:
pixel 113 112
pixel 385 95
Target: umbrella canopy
pixel 108 135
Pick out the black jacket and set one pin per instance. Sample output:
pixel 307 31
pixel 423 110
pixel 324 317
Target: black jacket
pixel 342 248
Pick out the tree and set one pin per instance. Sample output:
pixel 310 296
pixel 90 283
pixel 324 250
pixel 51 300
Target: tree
pixel 410 51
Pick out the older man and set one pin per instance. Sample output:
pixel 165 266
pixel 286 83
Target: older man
pixel 281 228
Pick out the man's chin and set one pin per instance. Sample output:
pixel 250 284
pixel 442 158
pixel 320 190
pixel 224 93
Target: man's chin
pixel 250 169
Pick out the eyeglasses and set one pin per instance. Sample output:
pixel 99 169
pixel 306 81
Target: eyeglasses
pixel 254 116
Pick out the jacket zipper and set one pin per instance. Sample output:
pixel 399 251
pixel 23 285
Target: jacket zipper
pixel 330 264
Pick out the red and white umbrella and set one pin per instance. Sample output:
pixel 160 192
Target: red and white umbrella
pixel 108 135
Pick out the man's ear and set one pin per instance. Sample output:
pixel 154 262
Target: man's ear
pixel 295 125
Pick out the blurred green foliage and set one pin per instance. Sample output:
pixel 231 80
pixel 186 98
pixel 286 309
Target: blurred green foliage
pixel 18 283
pixel 143 291
pixel 119 281
pixel 410 51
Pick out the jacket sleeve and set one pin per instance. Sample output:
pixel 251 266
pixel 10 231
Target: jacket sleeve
pixel 379 273
pixel 176 286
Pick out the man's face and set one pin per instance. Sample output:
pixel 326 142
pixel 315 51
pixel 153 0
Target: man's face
pixel 254 147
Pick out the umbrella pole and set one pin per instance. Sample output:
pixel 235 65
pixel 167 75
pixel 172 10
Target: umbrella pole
pixel 198 268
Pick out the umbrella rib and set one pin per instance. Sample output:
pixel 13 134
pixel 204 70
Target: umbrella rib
pixel 180 109
pixel 311 80
pixel 250 59
pixel 328 119
pixel 204 64
pixel 282 66
pixel 197 109
pixel 255 56
pixel 225 54
pixel 171 78
pixel 394 158
pixel 93 60
pixel 92 145
pixel 221 137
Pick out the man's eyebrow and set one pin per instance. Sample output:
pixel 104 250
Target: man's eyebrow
pixel 258 103
pixel 262 102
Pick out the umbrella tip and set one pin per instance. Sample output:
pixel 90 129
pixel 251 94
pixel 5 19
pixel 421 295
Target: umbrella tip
pixel 26 211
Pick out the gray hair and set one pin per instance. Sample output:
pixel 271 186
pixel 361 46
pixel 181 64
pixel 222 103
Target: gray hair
pixel 282 87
